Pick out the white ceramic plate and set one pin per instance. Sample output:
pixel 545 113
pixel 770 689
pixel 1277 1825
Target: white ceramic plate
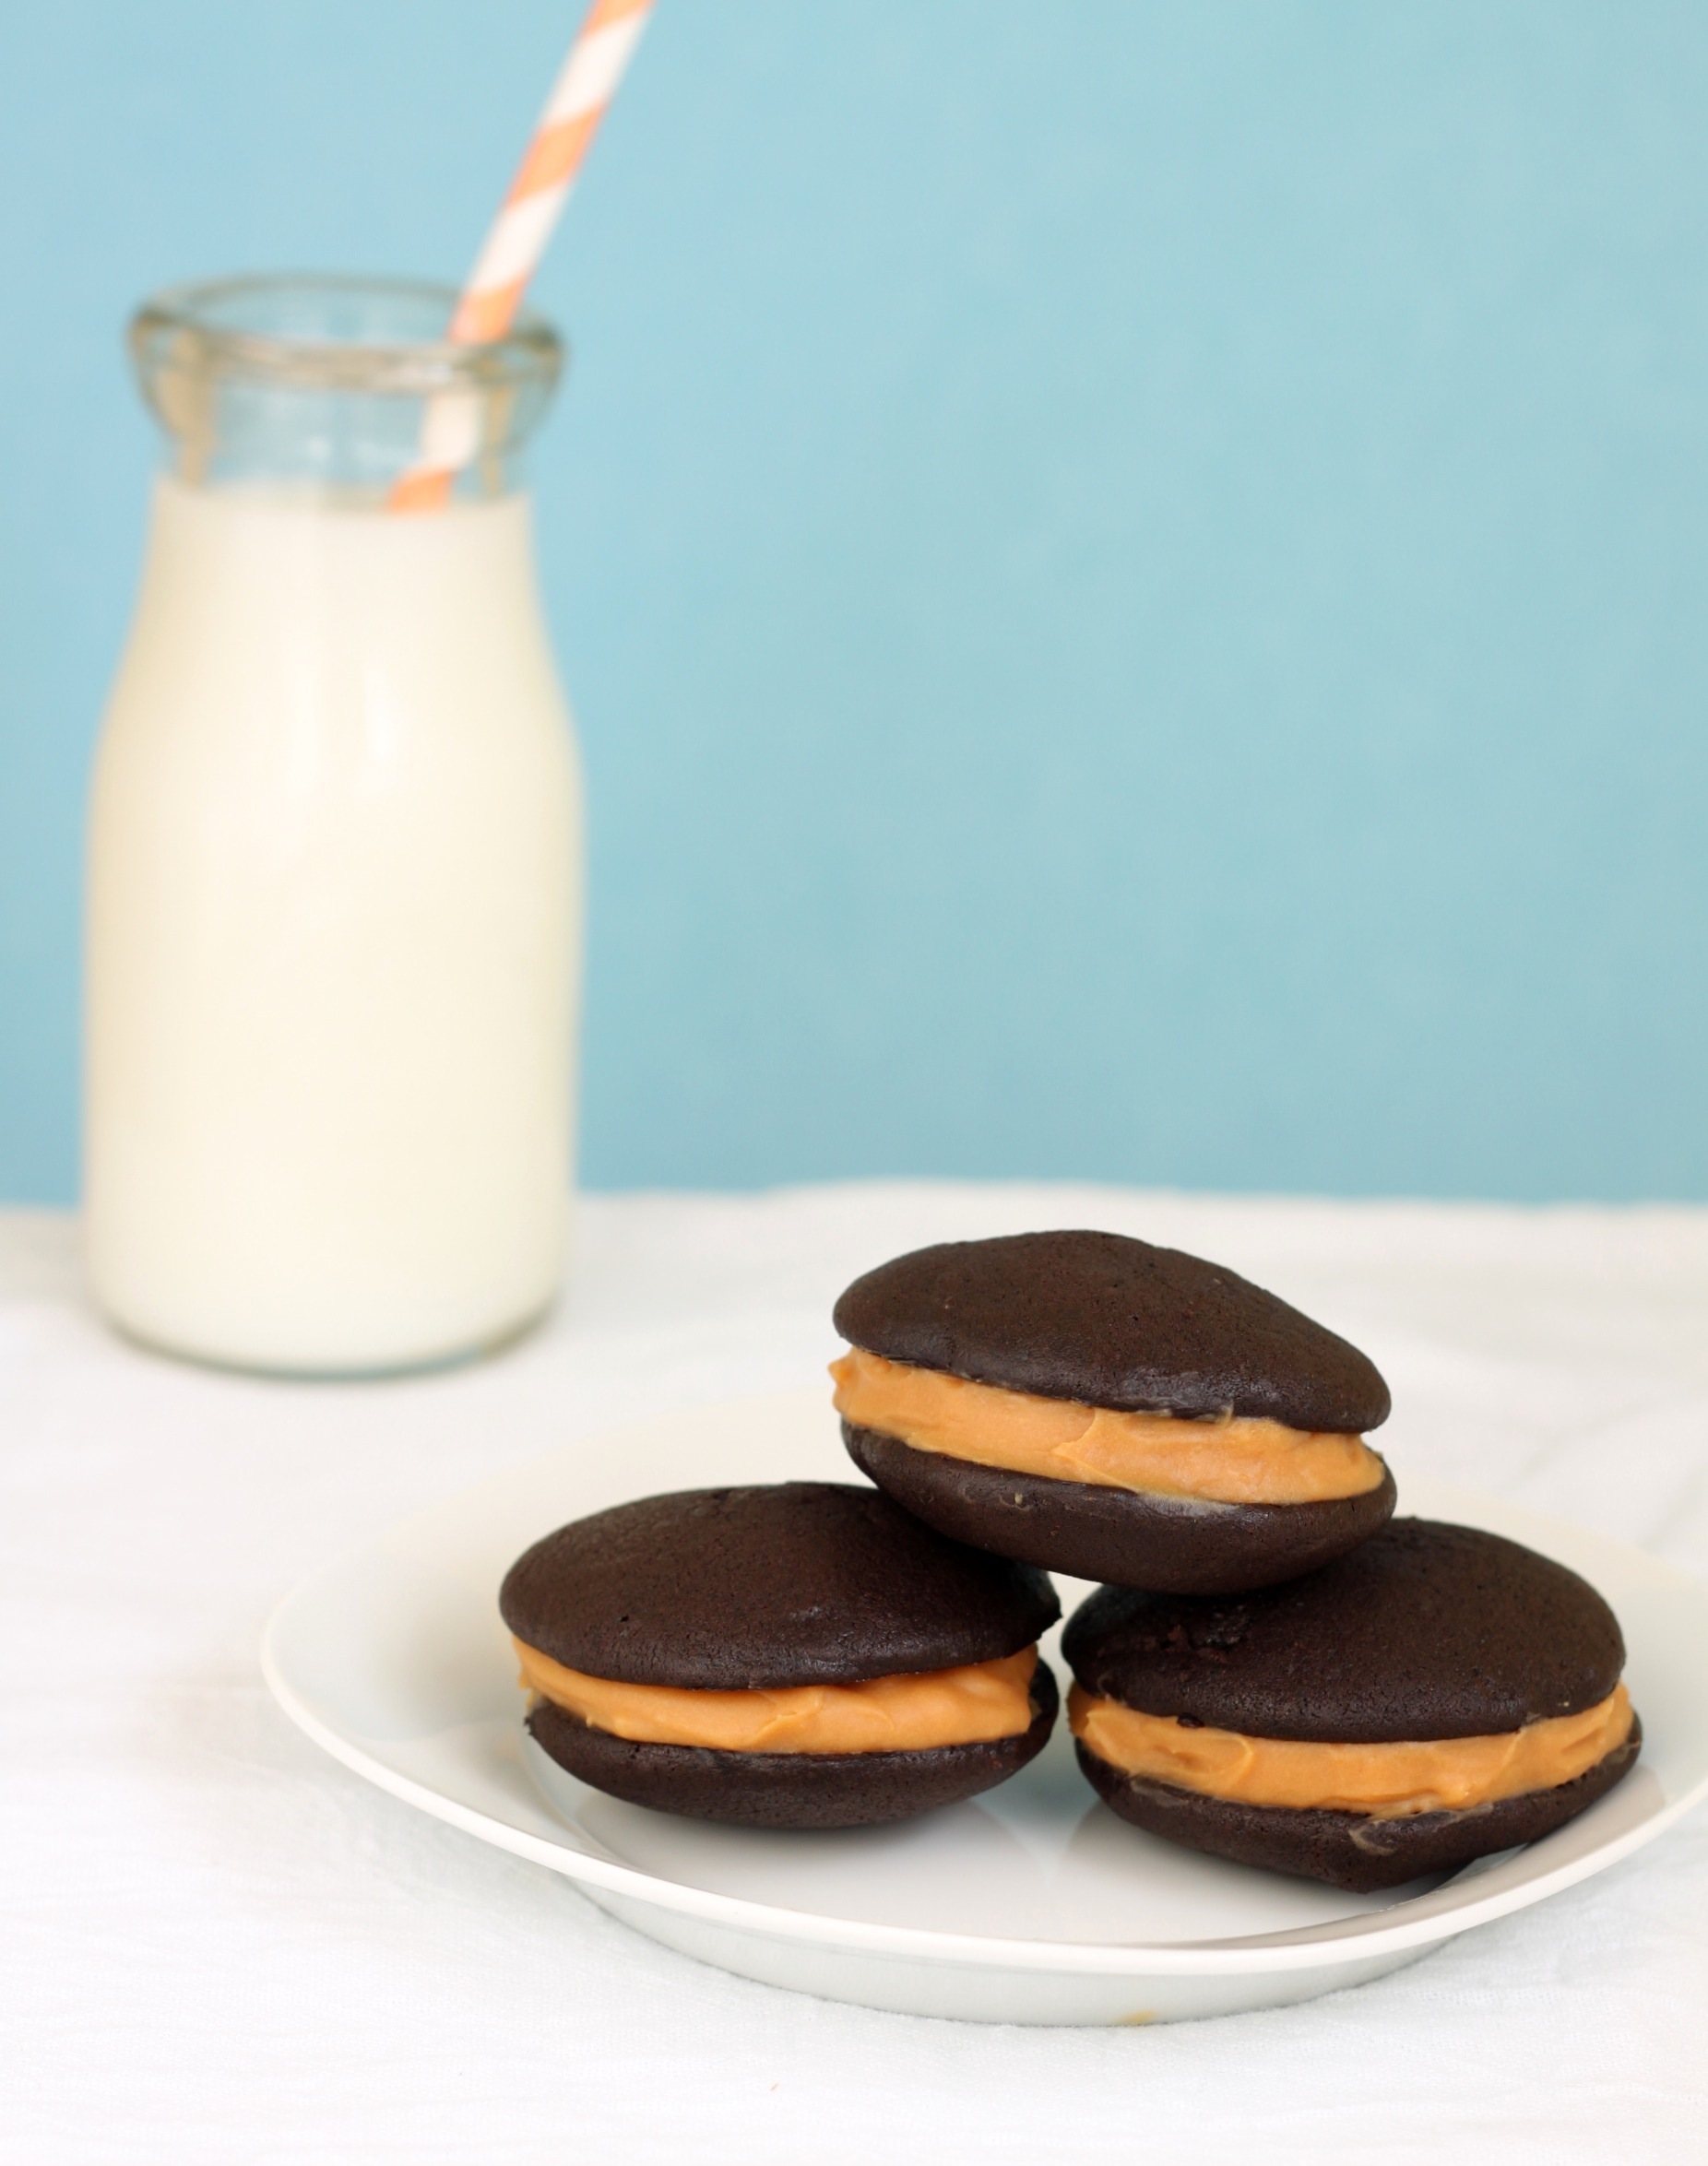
pixel 1033 1904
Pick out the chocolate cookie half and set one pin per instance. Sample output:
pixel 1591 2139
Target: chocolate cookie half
pixel 1091 1403
pixel 1436 1695
pixel 802 1655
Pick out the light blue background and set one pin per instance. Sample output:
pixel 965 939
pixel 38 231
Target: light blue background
pixel 1134 575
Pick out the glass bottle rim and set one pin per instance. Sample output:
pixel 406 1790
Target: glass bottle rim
pixel 202 321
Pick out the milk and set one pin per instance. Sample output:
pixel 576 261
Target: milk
pixel 334 937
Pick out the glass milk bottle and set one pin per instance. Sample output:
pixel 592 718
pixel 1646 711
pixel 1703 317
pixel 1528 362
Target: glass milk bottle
pixel 334 864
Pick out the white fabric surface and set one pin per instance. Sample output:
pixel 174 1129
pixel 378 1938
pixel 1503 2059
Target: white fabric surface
pixel 219 1945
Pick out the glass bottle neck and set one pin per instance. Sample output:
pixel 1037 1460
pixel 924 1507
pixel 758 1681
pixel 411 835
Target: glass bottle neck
pixel 336 386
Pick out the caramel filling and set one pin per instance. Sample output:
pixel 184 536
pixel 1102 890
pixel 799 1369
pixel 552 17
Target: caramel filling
pixel 1388 1781
pixel 1234 1461
pixel 972 1705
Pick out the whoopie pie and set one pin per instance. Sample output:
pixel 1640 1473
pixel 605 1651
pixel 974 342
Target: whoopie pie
pixel 1437 1694
pixel 1091 1403
pixel 798 1655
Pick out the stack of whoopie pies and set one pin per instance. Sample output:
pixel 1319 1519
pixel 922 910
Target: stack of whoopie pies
pixel 1276 1669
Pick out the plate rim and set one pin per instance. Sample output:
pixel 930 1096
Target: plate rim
pixel 1368 1934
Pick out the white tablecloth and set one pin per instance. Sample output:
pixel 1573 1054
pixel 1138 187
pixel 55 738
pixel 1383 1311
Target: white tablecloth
pixel 219 1945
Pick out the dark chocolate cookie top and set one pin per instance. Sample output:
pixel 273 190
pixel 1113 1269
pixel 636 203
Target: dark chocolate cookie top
pixel 1111 1321
pixel 795 1583
pixel 1425 1630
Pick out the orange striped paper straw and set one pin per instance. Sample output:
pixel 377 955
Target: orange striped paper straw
pixel 517 237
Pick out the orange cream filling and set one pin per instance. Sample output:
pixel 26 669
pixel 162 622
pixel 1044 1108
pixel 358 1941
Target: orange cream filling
pixel 1234 1461
pixel 973 1704
pixel 1389 1782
